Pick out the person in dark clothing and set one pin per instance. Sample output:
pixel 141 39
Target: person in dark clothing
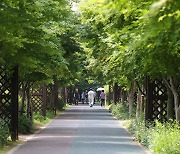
pixel 86 97
pixel 83 97
pixel 76 96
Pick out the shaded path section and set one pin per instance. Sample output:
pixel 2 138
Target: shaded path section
pixel 82 130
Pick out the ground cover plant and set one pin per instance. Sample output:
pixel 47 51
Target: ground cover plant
pixel 158 137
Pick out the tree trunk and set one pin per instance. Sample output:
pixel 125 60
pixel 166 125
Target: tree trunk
pixel 124 98
pixel 63 92
pixel 173 85
pixel 177 106
pixel 29 106
pixel 170 104
pixel 115 93
pixel 23 98
pixel 131 99
pixel 55 92
pixel 139 104
pixel 109 98
pixel 70 95
pixel 51 97
pixel 143 99
pixel 120 94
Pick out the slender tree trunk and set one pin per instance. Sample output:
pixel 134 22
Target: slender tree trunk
pixel 139 104
pixel 115 88
pixel 51 97
pixel 173 85
pixel 170 104
pixel 109 98
pixel 177 106
pixel 124 98
pixel 143 99
pixel 120 94
pixel 29 106
pixel 131 98
pixel 55 92
pixel 23 98
pixel 70 95
pixel 63 93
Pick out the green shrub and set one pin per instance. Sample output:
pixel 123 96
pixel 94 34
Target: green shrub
pixel 120 110
pixel 161 138
pixel 25 124
pixel 165 138
pixel 38 118
pixel 140 131
pixel 60 104
pixel 4 133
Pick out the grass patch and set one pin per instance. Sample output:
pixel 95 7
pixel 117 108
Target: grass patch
pixel 41 120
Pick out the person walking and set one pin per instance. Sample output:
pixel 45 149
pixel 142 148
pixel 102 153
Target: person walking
pixel 102 97
pixel 83 97
pixel 76 96
pixel 86 97
pixel 91 96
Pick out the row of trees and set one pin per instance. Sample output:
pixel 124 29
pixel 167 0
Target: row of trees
pixel 112 42
pixel 40 38
pixel 127 41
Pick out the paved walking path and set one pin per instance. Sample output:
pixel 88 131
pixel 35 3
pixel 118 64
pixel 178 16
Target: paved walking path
pixel 82 130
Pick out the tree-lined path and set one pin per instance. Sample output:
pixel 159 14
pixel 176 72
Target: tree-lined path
pixel 82 130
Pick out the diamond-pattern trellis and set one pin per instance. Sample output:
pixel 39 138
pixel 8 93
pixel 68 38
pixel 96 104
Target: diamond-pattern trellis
pixel 9 99
pixel 159 101
pixel 5 96
pixel 37 103
pixel 156 106
pixel 38 99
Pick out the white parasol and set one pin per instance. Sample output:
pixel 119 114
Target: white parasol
pixel 100 89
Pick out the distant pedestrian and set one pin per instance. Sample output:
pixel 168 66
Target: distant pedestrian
pixel 102 97
pixel 83 97
pixel 94 97
pixel 91 96
pixel 76 96
pixel 86 97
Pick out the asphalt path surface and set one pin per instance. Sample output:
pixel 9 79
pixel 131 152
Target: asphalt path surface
pixel 82 130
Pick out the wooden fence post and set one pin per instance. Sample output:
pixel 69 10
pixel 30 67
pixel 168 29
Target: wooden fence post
pixel 44 93
pixel 149 101
pixel 14 105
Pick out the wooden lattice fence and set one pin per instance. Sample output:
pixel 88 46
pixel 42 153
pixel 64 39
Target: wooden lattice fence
pixel 156 105
pixel 9 100
pixel 38 100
